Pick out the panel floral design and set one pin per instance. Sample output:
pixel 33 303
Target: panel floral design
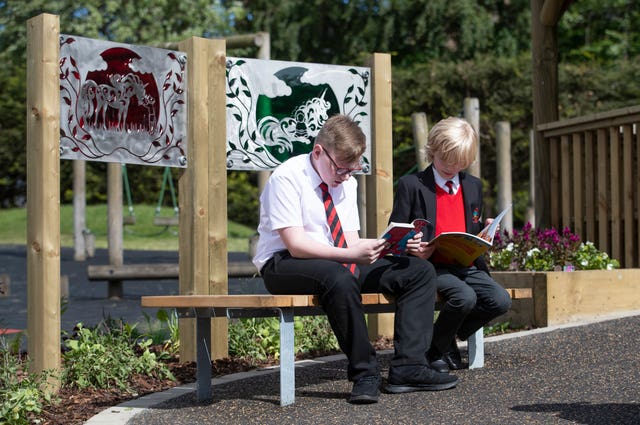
pixel 122 103
pixel 275 109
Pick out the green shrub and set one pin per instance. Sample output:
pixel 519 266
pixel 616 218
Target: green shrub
pixel 20 390
pixel 259 338
pixel 108 355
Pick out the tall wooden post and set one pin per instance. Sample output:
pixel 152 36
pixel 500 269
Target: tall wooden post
pixel 420 127
pixel 217 188
pixel 79 207
pixel 544 52
pixel 503 154
pixel 380 182
pixel 43 193
pixel 115 225
pixel 202 189
pixel 471 112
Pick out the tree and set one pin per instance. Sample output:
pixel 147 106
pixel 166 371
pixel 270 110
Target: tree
pixel 412 31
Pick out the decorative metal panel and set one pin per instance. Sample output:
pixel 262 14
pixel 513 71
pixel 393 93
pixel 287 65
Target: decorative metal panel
pixel 275 109
pixel 122 103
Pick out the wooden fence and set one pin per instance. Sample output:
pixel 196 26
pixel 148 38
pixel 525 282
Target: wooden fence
pixel 594 180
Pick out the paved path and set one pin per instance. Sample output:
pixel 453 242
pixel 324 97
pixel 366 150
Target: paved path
pixel 585 374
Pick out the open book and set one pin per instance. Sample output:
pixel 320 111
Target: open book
pixel 397 235
pixel 464 248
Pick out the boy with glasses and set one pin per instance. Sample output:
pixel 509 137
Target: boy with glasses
pixel 309 244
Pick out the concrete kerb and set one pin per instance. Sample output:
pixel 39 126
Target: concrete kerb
pixel 122 413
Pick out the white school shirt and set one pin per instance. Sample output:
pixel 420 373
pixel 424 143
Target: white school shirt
pixel 292 197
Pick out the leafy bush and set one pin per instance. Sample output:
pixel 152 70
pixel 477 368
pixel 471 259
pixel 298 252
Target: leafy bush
pixel 108 355
pixel 546 250
pixel 259 339
pixel 20 390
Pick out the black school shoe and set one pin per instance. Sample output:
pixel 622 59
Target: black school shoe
pixel 406 379
pixel 365 390
pixel 451 360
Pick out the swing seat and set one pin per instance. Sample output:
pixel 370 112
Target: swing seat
pixel 129 220
pixel 165 221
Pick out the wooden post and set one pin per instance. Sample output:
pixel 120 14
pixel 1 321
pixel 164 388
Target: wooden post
pixel 420 135
pixel 217 181
pixel 472 115
pixel 43 194
pixel 380 182
pixel 79 208
pixel 263 41
pixel 544 52
pixel 114 225
pixel 202 248
pixel 503 151
pixel 531 213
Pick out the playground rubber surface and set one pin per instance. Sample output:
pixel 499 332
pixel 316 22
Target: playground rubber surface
pixel 87 301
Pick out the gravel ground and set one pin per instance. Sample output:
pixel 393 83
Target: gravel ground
pixel 582 375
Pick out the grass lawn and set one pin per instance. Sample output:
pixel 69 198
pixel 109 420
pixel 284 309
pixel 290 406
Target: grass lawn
pixel 141 235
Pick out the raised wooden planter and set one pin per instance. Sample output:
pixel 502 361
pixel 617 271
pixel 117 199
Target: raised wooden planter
pixel 564 297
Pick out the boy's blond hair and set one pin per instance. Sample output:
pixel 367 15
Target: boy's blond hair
pixel 454 140
pixel 344 137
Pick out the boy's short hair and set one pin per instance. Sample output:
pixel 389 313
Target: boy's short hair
pixel 455 140
pixel 344 137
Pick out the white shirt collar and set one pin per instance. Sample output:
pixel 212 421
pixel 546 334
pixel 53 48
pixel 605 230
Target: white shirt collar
pixel 440 181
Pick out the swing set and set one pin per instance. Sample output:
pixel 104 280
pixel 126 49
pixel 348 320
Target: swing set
pixel 158 219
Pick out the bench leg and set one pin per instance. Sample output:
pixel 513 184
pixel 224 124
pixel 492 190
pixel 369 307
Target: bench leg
pixel 287 358
pixel 203 357
pixel 475 344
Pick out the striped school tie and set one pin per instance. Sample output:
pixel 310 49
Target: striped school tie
pixel 335 226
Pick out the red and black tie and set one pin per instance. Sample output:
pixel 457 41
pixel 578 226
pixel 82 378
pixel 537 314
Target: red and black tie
pixel 449 184
pixel 335 226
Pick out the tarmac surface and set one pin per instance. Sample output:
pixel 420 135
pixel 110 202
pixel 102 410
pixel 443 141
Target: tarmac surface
pixel 584 373
pixel 88 301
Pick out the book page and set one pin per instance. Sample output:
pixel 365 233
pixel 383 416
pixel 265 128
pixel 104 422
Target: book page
pixel 489 232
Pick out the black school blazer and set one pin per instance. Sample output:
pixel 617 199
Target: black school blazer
pixel 415 197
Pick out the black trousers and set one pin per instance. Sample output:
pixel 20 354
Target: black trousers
pixel 411 280
pixel 471 299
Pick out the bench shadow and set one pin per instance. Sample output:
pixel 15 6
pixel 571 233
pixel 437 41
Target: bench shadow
pixel 263 387
pixel 588 413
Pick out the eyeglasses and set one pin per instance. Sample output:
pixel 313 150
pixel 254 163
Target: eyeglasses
pixel 339 170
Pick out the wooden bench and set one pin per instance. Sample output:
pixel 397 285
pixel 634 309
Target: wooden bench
pixel 286 307
pixel 152 271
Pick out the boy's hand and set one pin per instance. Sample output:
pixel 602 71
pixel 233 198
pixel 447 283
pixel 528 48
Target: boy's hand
pixel 424 250
pixel 368 250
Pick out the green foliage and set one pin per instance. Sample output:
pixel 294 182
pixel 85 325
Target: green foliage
pixel 108 355
pixel 412 31
pixel 167 333
pixel 259 338
pixel 242 197
pixel 546 250
pixel 21 394
pixel 497 328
